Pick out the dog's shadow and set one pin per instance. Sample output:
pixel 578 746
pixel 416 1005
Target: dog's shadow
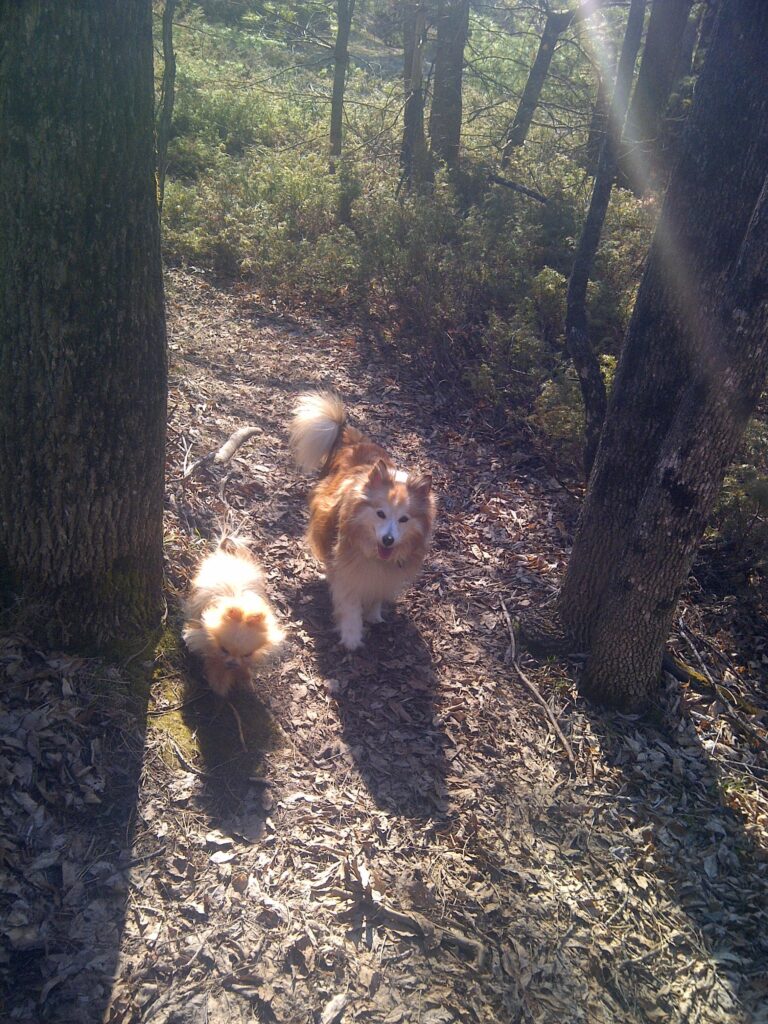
pixel 387 698
pixel 233 738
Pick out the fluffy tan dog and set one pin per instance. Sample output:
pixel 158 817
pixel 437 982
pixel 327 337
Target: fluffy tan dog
pixel 229 621
pixel 370 524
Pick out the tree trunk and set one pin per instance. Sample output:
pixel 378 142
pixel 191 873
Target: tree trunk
pixel 445 117
pixel 642 161
pixel 555 25
pixel 344 11
pixel 598 127
pixel 414 158
pixel 691 370
pixel 580 349
pixel 707 20
pixel 168 95
pixel 83 377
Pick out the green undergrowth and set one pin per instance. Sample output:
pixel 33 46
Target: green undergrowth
pixel 465 279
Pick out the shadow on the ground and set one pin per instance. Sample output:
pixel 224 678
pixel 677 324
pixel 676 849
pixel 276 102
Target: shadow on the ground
pixel 676 800
pixel 233 737
pixel 73 734
pixel 387 699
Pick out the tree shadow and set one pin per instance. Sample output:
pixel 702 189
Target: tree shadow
pixel 387 699
pixel 678 801
pixel 76 731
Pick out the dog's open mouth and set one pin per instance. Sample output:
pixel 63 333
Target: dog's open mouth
pixel 385 553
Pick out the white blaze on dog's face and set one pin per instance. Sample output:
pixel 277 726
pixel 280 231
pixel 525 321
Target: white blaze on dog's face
pixel 394 513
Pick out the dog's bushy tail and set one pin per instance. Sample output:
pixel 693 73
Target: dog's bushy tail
pixel 316 428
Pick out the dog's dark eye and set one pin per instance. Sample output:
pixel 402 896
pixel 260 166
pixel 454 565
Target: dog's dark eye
pixel 225 652
pixel 403 519
pixel 381 515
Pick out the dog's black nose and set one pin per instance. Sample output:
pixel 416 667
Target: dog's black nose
pixel 387 540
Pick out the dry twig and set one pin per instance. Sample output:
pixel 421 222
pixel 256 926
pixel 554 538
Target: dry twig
pixel 223 454
pixel 511 658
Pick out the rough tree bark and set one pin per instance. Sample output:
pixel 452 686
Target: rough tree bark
pixel 414 158
pixel 82 329
pixel 642 161
pixel 554 26
pixel 344 11
pixel 692 368
pixel 580 349
pixel 167 98
pixel 445 116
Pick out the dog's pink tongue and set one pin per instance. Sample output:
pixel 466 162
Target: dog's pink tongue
pixel 385 552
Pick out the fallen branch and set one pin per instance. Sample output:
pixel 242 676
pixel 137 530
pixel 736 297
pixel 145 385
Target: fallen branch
pixel 511 657
pixel 225 453
pixel 515 187
pixel 227 450
pixel 414 922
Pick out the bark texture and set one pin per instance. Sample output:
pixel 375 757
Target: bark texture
pixel 414 158
pixel 580 349
pixel 693 365
pixel 82 329
pixel 642 159
pixel 445 117
pixel 344 11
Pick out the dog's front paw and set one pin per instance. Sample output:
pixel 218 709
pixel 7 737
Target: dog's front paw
pixel 353 641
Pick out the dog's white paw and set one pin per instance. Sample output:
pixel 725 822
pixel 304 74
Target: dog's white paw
pixel 351 630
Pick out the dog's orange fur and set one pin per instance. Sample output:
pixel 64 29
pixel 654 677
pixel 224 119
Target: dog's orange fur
pixel 369 524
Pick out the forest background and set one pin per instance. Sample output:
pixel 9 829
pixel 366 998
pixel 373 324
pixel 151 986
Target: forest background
pixel 461 276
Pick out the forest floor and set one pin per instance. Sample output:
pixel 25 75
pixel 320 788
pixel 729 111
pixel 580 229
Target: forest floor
pixel 399 834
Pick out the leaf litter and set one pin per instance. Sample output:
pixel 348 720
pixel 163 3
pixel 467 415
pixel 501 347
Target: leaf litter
pixel 397 835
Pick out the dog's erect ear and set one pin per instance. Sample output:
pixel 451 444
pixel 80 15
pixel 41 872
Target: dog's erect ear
pixel 379 475
pixel 235 614
pixel 254 619
pixel 421 486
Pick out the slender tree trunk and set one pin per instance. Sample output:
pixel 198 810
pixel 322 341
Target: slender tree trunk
pixel 344 11
pixel 445 117
pixel 576 326
pixel 598 127
pixel 82 329
pixel 555 25
pixel 414 158
pixel 691 370
pixel 641 160
pixel 165 119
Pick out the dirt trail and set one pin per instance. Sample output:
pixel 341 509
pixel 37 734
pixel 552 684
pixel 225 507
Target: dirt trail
pixel 397 835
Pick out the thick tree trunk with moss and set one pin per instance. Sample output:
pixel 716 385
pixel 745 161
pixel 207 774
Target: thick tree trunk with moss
pixel 642 161
pixel 692 368
pixel 580 349
pixel 82 329
pixel 344 11
pixel 445 116
pixel 414 158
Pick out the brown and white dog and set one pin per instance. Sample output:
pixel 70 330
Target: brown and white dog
pixel 229 622
pixel 370 524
